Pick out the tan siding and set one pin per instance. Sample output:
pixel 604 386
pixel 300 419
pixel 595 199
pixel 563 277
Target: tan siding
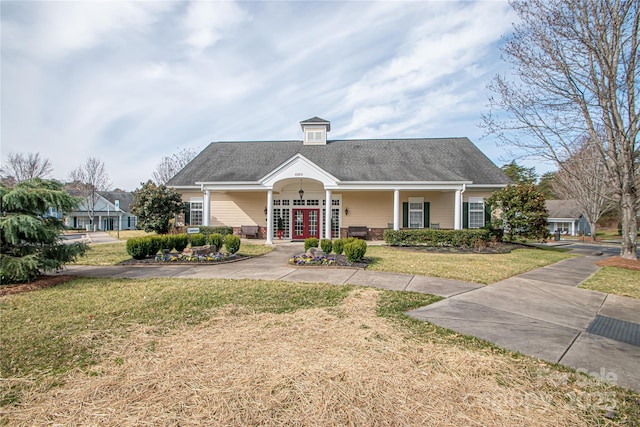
pixel 188 195
pixel 370 208
pixel 236 209
pixel 441 205
pixel 484 194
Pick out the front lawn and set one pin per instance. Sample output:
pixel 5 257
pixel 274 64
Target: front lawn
pixel 255 352
pixel 474 268
pixel 615 280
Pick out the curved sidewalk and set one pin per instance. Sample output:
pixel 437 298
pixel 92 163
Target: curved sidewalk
pixel 541 313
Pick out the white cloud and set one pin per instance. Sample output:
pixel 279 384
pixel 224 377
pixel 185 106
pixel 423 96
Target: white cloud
pixel 206 22
pixel 130 82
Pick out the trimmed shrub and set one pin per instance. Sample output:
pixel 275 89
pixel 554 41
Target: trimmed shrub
pixel 155 243
pixel 310 242
pixel 166 242
pixel 222 230
pixel 338 246
pixel 437 237
pixel 197 239
pixel 326 246
pixel 180 241
pixel 232 243
pixel 136 247
pixel 216 240
pixel 355 250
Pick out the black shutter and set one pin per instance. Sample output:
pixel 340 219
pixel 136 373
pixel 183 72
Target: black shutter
pixel 187 213
pixel 487 215
pixel 405 214
pixel 465 215
pixel 427 216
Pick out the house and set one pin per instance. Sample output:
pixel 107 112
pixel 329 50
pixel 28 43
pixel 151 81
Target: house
pixel 112 212
pixel 373 183
pixel 566 216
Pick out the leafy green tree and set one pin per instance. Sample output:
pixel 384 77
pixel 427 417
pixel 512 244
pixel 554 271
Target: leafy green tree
pixel 519 174
pixel 30 242
pixel 522 212
pixel 155 205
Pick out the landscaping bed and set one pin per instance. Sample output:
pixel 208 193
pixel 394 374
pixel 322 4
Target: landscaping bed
pixel 41 282
pixel 331 260
pixel 179 258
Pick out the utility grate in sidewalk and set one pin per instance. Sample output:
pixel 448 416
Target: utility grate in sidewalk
pixel 619 330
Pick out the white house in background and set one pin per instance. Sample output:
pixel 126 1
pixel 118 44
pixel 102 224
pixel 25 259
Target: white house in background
pixel 567 217
pixel 112 212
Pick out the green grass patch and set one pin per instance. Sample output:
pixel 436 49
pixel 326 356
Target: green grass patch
pixel 54 330
pixel 615 280
pixel 249 249
pixel 474 268
pixel 129 234
pixel 105 254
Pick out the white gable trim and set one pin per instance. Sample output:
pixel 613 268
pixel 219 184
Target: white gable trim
pixel 299 167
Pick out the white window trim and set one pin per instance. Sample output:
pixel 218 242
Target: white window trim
pixel 193 200
pixel 416 200
pixel 475 200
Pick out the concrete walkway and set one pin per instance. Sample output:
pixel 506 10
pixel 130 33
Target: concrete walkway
pixel 540 313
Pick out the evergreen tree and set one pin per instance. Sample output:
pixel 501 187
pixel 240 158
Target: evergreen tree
pixel 30 242
pixel 522 212
pixel 519 174
pixel 155 205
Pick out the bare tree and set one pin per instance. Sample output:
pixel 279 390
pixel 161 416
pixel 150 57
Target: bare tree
pixel 22 167
pixel 171 165
pixel 584 178
pixel 575 65
pixel 87 180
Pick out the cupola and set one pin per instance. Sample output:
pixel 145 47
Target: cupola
pixel 315 131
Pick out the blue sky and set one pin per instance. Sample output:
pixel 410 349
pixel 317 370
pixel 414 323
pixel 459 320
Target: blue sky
pixel 130 82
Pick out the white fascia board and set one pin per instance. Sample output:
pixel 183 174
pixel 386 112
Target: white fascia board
pixel 480 186
pixel 232 186
pixel 372 186
pixel 562 219
pixel 300 167
pixel 186 187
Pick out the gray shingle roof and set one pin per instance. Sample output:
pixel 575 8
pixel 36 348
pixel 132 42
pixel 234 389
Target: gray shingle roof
pixel 435 159
pixel 125 198
pixel 563 209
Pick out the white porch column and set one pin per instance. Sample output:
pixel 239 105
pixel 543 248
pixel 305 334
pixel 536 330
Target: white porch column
pixel 327 210
pixel 457 211
pixel 207 208
pixel 269 217
pixel 396 210
pixel 573 227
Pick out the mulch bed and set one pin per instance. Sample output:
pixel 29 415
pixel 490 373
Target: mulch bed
pixel 40 283
pixel 620 262
pixel 340 261
pixel 152 260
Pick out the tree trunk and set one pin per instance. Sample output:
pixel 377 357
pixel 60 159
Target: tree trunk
pixel 594 226
pixel 629 227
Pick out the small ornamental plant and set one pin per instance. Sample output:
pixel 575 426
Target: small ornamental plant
pixel 311 260
pixel 178 257
pixel 326 246
pixel 310 242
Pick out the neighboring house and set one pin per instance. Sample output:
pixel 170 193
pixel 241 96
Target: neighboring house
pixel 565 216
pixel 112 212
pixel 377 183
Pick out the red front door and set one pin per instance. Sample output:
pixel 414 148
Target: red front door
pixel 305 223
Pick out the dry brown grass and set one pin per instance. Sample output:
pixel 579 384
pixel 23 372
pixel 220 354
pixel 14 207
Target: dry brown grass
pixel 332 366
